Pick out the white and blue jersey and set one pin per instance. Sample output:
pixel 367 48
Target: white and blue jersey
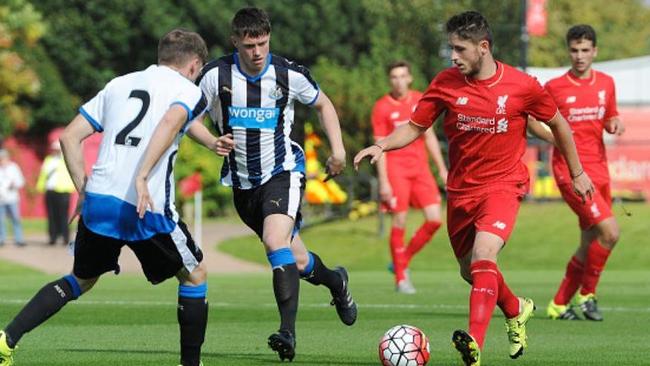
pixel 127 111
pixel 259 112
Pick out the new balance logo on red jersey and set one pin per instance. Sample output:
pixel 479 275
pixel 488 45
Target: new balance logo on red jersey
pixel 499 225
pixel 571 99
pixel 502 125
pixel 462 101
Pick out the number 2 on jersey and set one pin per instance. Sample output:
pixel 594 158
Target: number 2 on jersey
pixel 122 137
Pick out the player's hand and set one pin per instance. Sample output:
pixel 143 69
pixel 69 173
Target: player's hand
pixel 373 152
pixel 335 165
pixel 223 145
pixel 144 199
pixel 615 126
pixel 582 186
pixel 385 193
pixel 444 175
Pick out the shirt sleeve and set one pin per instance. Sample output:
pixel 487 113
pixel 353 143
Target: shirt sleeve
pixel 209 84
pixel 379 121
pixel 193 100
pixel 302 87
pixel 539 103
pixel 93 110
pixel 611 110
pixel 429 106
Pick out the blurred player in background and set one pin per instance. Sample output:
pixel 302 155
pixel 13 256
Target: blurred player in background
pixel 404 175
pixel 485 104
pixel 127 112
pixel 587 99
pixel 251 94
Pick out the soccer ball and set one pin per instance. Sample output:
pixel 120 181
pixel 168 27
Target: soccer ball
pixel 404 345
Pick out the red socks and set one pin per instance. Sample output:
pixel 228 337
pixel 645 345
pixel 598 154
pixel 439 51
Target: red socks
pixel 596 259
pixel 507 301
pixel 483 298
pixel 421 238
pixel 570 283
pixel 397 251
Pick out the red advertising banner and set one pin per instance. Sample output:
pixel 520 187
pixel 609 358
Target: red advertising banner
pixel 629 170
pixel 536 17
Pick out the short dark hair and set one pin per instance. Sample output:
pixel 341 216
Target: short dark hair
pixel 179 45
pixel 251 22
pixel 396 64
pixel 581 31
pixel 470 25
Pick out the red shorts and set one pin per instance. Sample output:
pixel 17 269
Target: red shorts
pixel 494 212
pixel 593 211
pixel 416 189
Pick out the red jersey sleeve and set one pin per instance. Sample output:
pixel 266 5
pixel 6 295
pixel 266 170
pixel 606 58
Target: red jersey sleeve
pixel 429 107
pixel 380 126
pixel 539 102
pixel 611 110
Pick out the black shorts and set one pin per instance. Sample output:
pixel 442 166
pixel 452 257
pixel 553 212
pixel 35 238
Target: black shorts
pixel 282 194
pixel 161 257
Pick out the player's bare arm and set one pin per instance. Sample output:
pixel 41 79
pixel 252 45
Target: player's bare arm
pixel 433 146
pixel 400 137
pixel 221 145
pixel 540 130
pixel 562 133
pixel 75 132
pixel 162 138
pixel 330 122
pixel 385 189
pixel 615 126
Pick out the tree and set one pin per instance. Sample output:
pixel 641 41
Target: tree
pixel 20 27
pixel 622 28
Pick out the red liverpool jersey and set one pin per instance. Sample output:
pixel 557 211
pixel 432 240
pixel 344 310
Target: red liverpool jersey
pixel 586 104
pixel 485 123
pixel 390 113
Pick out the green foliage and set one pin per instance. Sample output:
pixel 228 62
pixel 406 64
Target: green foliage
pixel 20 26
pixel 622 29
pixel 193 157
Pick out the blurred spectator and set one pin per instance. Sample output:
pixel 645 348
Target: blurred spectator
pixel 11 180
pixel 55 181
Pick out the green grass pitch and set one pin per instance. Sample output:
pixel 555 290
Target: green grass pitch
pixel 125 321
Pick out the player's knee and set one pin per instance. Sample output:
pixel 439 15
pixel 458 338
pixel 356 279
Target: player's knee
pixel 198 276
pixel 302 261
pixel 274 242
pixel 610 237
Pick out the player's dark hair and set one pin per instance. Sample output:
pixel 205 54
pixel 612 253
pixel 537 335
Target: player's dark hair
pixel 179 46
pixel 251 22
pixel 396 64
pixel 581 31
pixel 470 25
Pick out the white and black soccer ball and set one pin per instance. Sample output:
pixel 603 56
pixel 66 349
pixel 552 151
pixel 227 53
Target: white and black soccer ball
pixel 404 345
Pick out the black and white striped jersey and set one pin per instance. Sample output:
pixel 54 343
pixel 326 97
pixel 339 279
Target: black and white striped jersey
pixel 259 112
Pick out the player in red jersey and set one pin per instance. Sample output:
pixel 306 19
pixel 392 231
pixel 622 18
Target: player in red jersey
pixel 587 99
pixel 404 175
pixel 485 104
